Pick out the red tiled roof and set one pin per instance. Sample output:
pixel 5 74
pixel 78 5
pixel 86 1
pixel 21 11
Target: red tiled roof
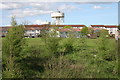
pixel 97 26
pixel 71 25
pixel 106 26
pixel 34 25
pixel 54 25
pixel 66 30
pixel 110 26
pixel 77 29
pixel 29 28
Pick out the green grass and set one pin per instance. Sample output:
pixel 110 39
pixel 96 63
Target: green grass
pixel 38 41
pixel 34 41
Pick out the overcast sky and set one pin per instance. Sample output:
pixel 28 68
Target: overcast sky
pixel 86 13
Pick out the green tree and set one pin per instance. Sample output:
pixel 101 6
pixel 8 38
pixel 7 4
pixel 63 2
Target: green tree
pixel 13 21
pixel 67 27
pixel 84 30
pixel 104 33
pixel 103 40
pixel 12 46
pixel 90 30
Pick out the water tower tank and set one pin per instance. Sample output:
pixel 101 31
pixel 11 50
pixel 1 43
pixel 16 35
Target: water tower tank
pixel 57 17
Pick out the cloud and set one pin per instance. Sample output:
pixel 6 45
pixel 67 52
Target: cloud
pixel 22 10
pixel 59 0
pixel 10 6
pixel 99 7
pixel 94 2
pixel 66 7
pixel 28 12
pixel 39 22
pixel 42 5
pixel 17 5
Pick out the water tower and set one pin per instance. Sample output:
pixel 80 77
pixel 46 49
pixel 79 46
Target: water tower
pixel 57 17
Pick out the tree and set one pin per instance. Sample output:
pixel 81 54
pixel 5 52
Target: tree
pixel 104 33
pixel 90 30
pixel 103 40
pixel 12 46
pixel 67 27
pixel 13 21
pixel 84 30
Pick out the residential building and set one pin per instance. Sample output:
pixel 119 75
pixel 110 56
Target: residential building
pixel 35 30
pixel 110 28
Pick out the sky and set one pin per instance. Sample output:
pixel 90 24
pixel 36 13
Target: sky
pixel 76 13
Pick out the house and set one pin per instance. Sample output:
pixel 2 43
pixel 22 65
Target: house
pixel 66 32
pixel 35 30
pixel 3 31
pixel 110 28
pixel 32 32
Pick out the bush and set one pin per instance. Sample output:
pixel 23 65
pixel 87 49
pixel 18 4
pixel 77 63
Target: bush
pixel 62 68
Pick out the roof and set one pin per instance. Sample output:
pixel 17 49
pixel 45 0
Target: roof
pixel 110 26
pixel 77 29
pixel 71 25
pixel 97 26
pixel 37 26
pixel 34 25
pixel 53 25
pixel 106 26
pixel 29 28
pixel 68 29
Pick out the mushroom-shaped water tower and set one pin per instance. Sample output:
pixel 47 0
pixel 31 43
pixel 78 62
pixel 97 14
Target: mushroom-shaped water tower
pixel 57 17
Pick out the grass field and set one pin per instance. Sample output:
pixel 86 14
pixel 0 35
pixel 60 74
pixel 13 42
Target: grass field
pixel 38 41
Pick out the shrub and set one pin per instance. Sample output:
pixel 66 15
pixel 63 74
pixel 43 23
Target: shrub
pixel 84 30
pixel 62 68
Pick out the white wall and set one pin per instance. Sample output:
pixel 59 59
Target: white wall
pixel 109 29
pixel 32 32
pixel 112 30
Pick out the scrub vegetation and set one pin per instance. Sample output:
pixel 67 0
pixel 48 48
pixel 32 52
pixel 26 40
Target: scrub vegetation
pixel 53 57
